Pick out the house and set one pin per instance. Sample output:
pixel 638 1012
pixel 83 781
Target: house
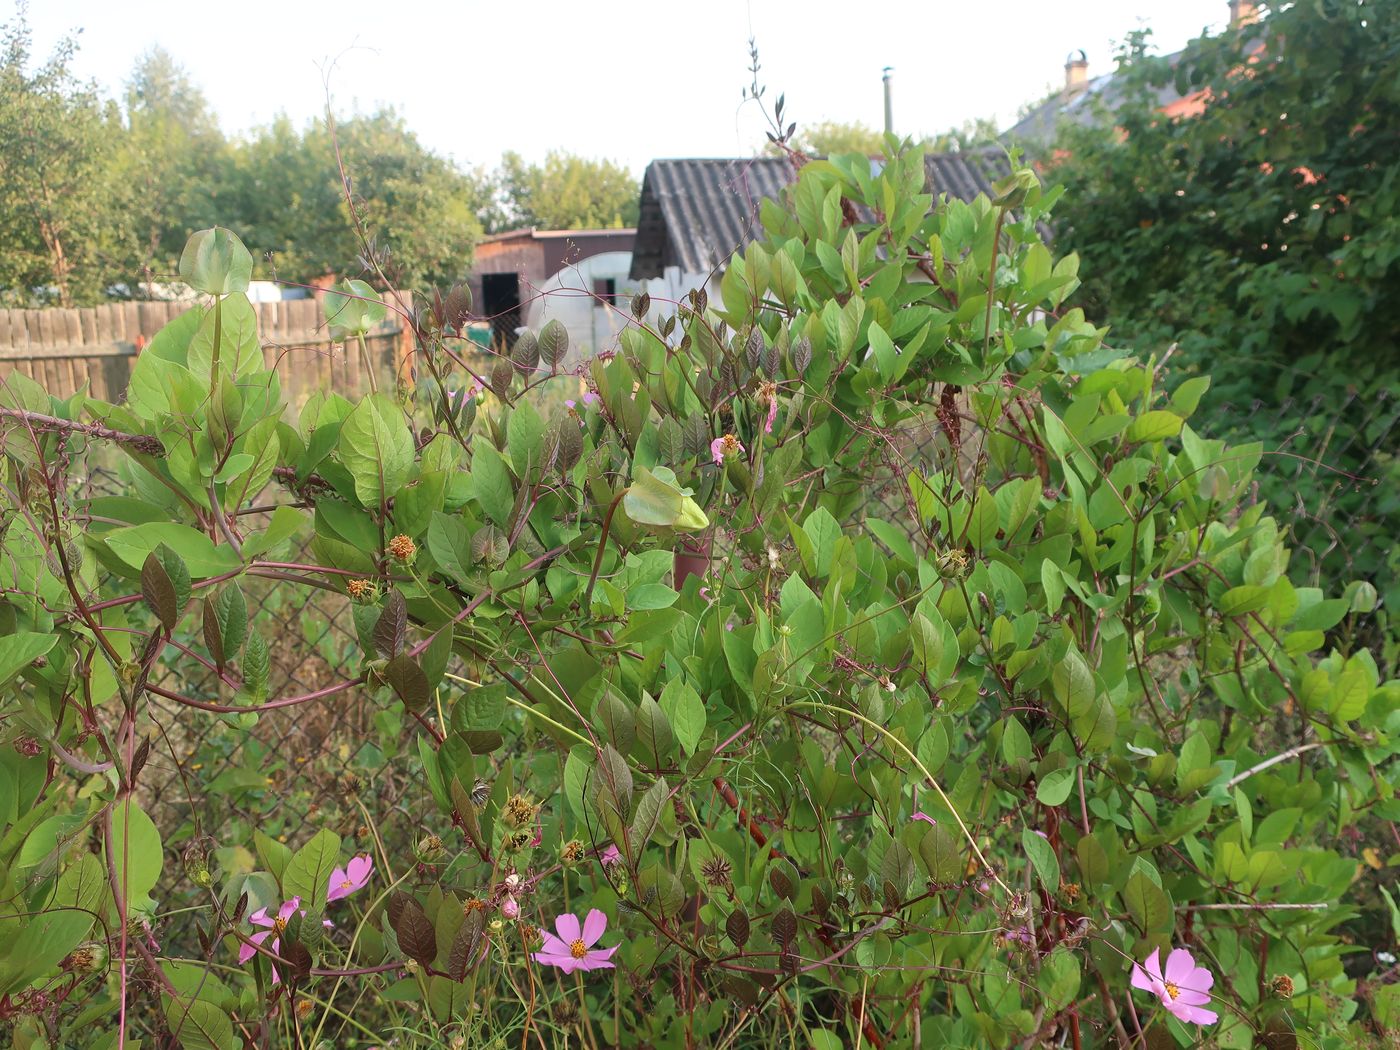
pixel 696 213
pixel 512 271
pixel 1083 99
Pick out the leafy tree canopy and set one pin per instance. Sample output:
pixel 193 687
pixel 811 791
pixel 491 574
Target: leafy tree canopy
pixel 1260 235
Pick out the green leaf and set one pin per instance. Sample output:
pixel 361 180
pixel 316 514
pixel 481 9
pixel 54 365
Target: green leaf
pixel 1055 788
pixel 651 596
pixel 648 815
pixel 578 778
pixel 450 544
pixel 656 499
pixel 165 585
pixel 198 1024
pixel 230 618
pixel 135 851
pixel 553 342
pixel 34 945
pixel 274 855
pixel 408 682
pixel 353 308
pixel 686 713
pixel 492 485
pixel 1059 979
pixel 229 327
pixel 377 449
pixel 982 521
pixel 1153 426
pixel 309 871
pixel 1073 683
pixel 611 788
pixel 1043 859
pixel 202 558
pixel 942 854
pixel 886 356
pixel 216 262
pixel 1147 904
pixel 256 666
pixel 19 650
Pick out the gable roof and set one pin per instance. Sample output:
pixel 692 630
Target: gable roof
pixel 1082 107
pixel 696 213
pixel 1104 94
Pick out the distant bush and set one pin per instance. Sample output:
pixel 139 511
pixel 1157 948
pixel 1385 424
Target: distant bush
pixel 1262 238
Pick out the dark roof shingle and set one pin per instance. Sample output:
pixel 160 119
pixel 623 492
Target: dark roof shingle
pixel 696 213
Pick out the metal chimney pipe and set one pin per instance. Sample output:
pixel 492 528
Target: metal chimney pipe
pixel 889 102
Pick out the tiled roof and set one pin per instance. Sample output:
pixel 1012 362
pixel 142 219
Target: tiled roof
pixel 696 213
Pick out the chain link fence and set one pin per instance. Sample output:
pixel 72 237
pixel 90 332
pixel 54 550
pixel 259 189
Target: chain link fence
pixel 334 762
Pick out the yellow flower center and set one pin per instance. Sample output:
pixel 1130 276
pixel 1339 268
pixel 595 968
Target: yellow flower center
pixel 347 884
pixel 578 949
pixel 1172 989
pixel 279 924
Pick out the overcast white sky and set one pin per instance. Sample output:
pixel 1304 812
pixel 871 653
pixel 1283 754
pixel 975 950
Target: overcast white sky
pixel 621 80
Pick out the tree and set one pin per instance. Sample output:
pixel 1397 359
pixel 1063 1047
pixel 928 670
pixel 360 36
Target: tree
pixel 59 223
pixel 1261 235
pixel 565 192
pixel 291 203
pixel 170 163
pixel 826 138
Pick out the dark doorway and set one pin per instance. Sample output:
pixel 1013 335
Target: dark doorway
pixel 500 294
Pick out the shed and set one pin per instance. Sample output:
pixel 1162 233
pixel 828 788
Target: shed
pixel 509 269
pixel 695 213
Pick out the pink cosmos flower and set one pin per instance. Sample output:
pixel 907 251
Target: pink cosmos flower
pixel 573 948
pixel 347 880
pixel 610 855
pixel 1183 987
pixel 772 415
pixel 721 447
pixel 274 928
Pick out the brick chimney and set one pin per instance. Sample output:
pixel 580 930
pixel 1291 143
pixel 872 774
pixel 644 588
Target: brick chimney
pixel 1243 13
pixel 1077 73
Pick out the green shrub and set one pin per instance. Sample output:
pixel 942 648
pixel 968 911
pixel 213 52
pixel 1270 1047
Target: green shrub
pixel 1261 238
pixel 887 662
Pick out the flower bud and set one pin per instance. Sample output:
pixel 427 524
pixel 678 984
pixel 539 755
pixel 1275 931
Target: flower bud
pixel 403 550
pixel 952 565
pixel 510 908
pixel 196 858
pixel 1282 986
pixel 429 850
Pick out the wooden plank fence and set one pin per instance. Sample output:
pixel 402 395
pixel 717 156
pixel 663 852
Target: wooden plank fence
pixel 61 349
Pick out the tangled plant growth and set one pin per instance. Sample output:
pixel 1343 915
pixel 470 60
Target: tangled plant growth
pixel 870 657
pixel 1260 237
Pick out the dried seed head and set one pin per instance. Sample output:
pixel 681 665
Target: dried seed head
pixel 520 811
pixel 717 872
pixel 402 549
pixel 362 592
